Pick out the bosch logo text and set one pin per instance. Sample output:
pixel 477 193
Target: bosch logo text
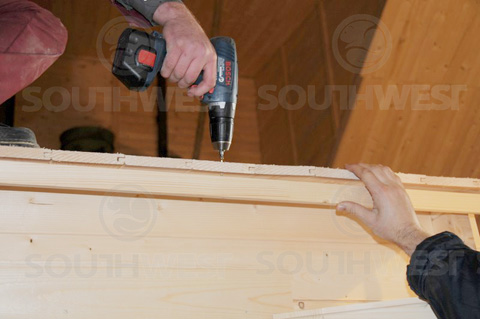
pixel 225 72
pixel 228 73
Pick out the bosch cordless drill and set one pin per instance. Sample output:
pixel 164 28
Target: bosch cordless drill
pixel 139 58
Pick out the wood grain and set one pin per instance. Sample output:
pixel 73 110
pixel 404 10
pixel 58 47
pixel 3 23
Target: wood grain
pixel 316 191
pixel 429 48
pixel 387 309
pixel 85 235
pixel 306 121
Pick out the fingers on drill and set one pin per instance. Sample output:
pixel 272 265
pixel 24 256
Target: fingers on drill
pixel 209 79
pixel 192 74
pixel 181 68
pixel 170 63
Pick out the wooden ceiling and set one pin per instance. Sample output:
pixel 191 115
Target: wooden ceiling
pixel 305 132
pixel 259 27
pixel 435 46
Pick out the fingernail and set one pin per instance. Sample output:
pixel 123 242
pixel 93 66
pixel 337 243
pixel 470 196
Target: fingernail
pixel 341 207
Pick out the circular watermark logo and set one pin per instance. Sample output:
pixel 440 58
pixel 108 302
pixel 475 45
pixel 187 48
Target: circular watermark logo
pixel 128 218
pixel 353 45
pixel 345 224
pixel 109 35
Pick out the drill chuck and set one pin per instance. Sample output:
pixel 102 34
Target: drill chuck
pixel 221 125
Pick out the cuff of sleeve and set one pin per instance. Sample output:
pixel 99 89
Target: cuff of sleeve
pixel 144 7
pixel 420 262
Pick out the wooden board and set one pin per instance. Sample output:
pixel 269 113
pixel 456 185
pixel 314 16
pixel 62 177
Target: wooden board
pixel 220 184
pixel 93 235
pixel 397 309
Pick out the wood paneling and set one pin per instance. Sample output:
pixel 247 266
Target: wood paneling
pixel 261 27
pixel 396 309
pixel 313 126
pixel 276 140
pixel 69 252
pixel 204 11
pixel 434 43
pixel 333 13
pixel 308 122
pixel 85 21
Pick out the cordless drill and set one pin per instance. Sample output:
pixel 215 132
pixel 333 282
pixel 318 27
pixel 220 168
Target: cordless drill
pixel 139 58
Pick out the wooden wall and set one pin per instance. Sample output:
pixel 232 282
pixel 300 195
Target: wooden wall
pixel 434 46
pixel 87 247
pixel 303 128
pixel 203 260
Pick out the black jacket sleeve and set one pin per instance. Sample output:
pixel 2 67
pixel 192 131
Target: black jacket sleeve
pixel 446 273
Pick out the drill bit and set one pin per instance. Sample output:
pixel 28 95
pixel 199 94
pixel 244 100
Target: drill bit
pixel 222 155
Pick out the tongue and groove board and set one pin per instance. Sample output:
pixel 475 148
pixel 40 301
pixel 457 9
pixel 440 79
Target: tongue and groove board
pixel 109 235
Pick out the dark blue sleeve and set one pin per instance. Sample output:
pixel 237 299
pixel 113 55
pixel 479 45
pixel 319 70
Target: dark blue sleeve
pixel 146 8
pixel 445 272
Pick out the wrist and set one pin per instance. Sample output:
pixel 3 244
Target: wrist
pixel 169 11
pixel 411 239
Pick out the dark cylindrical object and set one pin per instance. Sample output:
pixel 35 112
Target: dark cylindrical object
pixel 88 139
pixel 221 125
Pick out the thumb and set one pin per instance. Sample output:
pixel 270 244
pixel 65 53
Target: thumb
pixel 364 214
